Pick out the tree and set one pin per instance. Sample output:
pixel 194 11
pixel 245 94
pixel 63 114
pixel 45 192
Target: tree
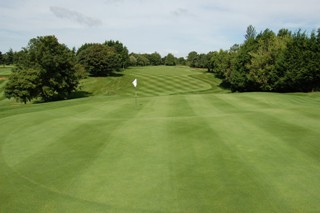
pixel 1 58
pixel 154 58
pixel 285 62
pixel 99 59
pixel 9 57
pixel 23 85
pixel 251 33
pixel 170 60
pixel 192 59
pixel 222 63
pixel 84 47
pixel 133 60
pixel 238 77
pixel 21 57
pixel 121 50
pixel 264 65
pixel 47 72
pixel 203 61
pixel 300 64
pixel 181 61
pixel 142 60
pixel 80 71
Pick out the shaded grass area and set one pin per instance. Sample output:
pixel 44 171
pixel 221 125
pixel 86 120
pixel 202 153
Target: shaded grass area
pixel 196 152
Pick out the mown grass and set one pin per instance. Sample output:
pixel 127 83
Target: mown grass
pixel 155 81
pixel 202 150
pixel 5 70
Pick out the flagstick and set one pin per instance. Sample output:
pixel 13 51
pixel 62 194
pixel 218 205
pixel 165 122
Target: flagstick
pixel 136 96
pixel 135 84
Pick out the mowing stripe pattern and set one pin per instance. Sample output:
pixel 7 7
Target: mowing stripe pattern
pixel 252 152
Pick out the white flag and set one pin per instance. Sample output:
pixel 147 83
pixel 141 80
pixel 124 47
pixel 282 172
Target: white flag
pixel 135 82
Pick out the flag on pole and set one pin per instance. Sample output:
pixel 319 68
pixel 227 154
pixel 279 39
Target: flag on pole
pixel 135 82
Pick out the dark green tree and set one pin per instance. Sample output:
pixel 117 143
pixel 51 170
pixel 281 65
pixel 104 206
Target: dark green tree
pixel 23 85
pixel 143 60
pixel 170 60
pixel 140 59
pixel 251 32
pixel 192 59
pixel 300 70
pixel 284 62
pixel 51 67
pixel 154 58
pixel 132 60
pixel 9 57
pixel 181 61
pixel 100 60
pixel 84 47
pixel 121 50
pixel 222 63
pixel 21 57
pixel 1 58
pixel 238 77
pixel 203 61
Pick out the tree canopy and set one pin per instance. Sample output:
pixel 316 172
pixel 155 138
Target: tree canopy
pixel 99 59
pixel 103 59
pixel 283 62
pixel 170 60
pixel 47 71
pixel 121 50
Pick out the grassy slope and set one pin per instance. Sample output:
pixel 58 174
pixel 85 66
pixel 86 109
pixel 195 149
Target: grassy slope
pixel 155 81
pixel 253 152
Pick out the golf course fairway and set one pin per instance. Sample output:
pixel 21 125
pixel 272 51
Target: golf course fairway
pixel 185 145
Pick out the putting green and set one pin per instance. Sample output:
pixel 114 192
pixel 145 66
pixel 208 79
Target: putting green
pixel 178 150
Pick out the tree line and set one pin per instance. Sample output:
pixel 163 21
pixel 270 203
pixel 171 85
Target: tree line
pixel 270 62
pixel 7 58
pixel 282 62
pixel 155 59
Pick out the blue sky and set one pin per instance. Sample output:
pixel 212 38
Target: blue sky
pixel 166 26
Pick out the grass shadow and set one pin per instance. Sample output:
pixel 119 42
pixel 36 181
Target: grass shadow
pixel 80 94
pixel 74 95
pixel 116 74
pixel 225 85
pixel 113 74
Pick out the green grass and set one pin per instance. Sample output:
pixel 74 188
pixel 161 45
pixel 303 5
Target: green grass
pixel 188 146
pixel 5 72
pixel 154 81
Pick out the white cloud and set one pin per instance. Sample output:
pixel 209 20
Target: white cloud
pixel 182 12
pixel 75 16
pixel 179 26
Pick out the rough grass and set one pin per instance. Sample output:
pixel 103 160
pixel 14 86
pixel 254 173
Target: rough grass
pixel 195 151
pixel 5 72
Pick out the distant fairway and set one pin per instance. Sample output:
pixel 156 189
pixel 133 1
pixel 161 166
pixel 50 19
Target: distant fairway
pixel 189 146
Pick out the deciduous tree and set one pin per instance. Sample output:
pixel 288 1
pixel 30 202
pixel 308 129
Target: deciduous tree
pixel 23 85
pixel 170 60
pixel 46 71
pixel 99 60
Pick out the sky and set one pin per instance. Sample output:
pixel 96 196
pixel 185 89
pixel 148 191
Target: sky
pixel 146 26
